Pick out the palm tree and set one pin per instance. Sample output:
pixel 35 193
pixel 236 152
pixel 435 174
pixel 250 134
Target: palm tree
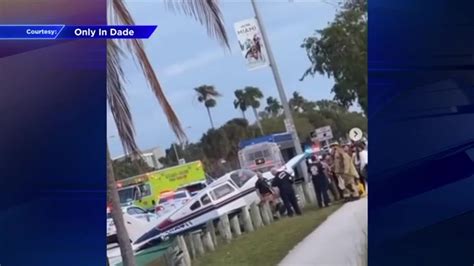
pixel 206 94
pixel 273 106
pixel 207 13
pixel 252 96
pixel 330 105
pixel 297 102
pixel 239 102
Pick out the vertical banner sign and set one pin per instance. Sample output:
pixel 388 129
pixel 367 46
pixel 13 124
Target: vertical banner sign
pixel 251 43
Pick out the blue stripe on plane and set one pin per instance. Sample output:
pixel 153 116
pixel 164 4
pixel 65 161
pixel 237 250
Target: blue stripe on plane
pixel 156 231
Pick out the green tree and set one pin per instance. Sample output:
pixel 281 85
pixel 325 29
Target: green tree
pixel 303 127
pixel 193 152
pixel 350 120
pixel 263 115
pixel 309 106
pixel 127 168
pixel 189 152
pixel 170 158
pixel 273 106
pixel 297 102
pixel 239 102
pixel 215 144
pixel 206 12
pixel 273 125
pixel 317 119
pixel 340 51
pixel 330 106
pixel 252 96
pixel 235 131
pixel 206 94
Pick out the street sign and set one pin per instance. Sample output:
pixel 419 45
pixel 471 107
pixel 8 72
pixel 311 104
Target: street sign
pixel 355 134
pixel 324 133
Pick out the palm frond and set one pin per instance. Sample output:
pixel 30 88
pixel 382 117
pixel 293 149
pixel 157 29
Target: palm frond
pixel 211 91
pixel 214 93
pixel 117 99
pixel 121 15
pixel 207 12
pixel 210 103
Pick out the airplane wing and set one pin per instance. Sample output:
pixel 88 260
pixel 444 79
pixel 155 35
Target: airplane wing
pixel 289 166
pixel 296 160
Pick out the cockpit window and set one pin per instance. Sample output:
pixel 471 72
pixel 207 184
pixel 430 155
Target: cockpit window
pixel 241 177
pixel 222 191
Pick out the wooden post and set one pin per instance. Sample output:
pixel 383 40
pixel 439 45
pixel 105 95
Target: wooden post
pixel 264 214
pixel 224 228
pixel 189 240
pixel 235 224
pixel 246 220
pixel 198 243
pixel 212 230
pixel 309 192
pixel 255 214
pixel 170 257
pixel 277 211
pixel 207 240
pixel 300 195
pixel 176 257
pixel 268 209
pixel 184 249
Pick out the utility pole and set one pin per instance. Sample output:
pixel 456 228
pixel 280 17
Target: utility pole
pixel 279 85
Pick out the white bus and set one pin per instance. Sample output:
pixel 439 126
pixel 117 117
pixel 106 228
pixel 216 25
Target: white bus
pixel 261 157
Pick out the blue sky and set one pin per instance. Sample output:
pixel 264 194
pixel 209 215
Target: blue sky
pixel 184 57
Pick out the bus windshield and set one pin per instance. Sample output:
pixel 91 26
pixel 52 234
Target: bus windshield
pixel 261 157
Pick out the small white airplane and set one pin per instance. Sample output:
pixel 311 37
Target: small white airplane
pixel 226 195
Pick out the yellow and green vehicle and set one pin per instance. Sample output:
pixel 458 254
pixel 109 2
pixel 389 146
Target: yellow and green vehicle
pixel 144 190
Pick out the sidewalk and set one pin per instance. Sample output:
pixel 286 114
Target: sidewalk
pixel 340 240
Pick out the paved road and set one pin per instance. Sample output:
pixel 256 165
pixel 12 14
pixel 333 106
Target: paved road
pixel 338 241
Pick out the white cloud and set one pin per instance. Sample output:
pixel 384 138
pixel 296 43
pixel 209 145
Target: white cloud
pixel 197 61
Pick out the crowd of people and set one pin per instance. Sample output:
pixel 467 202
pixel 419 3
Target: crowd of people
pixel 342 172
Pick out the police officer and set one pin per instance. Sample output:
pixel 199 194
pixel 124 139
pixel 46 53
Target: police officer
pixel 320 181
pixel 284 181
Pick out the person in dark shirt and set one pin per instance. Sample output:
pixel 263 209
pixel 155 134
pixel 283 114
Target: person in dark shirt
pixel 320 181
pixel 284 181
pixel 263 188
pixel 266 193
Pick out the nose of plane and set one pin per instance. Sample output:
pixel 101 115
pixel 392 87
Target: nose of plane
pixel 148 235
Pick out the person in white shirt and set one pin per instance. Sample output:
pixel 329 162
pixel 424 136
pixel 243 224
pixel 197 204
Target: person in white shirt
pixel 360 158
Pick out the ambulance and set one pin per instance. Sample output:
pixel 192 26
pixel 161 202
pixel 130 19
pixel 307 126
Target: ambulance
pixel 144 190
